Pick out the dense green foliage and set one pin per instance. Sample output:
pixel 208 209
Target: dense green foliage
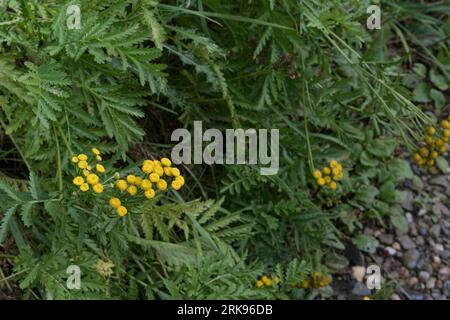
pixel 137 69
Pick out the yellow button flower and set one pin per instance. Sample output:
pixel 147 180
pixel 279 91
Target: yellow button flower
pixel 122 211
pixel 431 131
pixel 95 151
pixel 154 177
pixel 147 168
pixel 321 182
pixel 445 124
pixel 82 164
pixel 327 179
pixel 138 181
pixel 161 184
pixel 82 157
pixel 332 185
pixel 259 284
pixel 92 179
pixel 74 159
pixel 100 168
pixel 117 176
pixel 317 174
pixel 168 171
pixel 98 158
pixel 180 180
pixel 336 171
pixel 166 162
pixel 146 184
pixel 175 172
pixel 157 163
pixel 158 170
pixel 176 185
pixel 131 179
pixel 114 202
pixel 84 187
pixel 333 163
pixel 132 190
pixel 78 181
pixel 86 172
pixel 98 188
pixel 147 162
pixel 121 184
pixel 267 281
pixel 326 170
pixel 150 194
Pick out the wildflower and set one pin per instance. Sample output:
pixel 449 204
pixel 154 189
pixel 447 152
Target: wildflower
pixel 332 185
pixel 158 170
pixel 122 211
pixel 131 179
pixel 117 175
pixel 277 279
pixel 84 187
pixel 445 124
pixel 98 158
pixel 114 202
pixel 146 184
pixel 132 190
pixel 138 181
pixel 150 193
pixel 424 152
pixel 82 164
pixel 259 284
pixel 82 157
pixel 100 168
pixel 95 151
pixel 121 185
pixel 161 184
pixel 266 280
pixel 327 179
pixel 98 188
pixel 175 172
pixel 148 162
pixel 86 172
pixel 92 179
pixel 74 159
pixel 168 171
pixel 333 164
pixel 317 174
pixel 166 162
pixel 431 131
pixel 326 170
pixel 176 185
pixel 147 168
pixel 321 181
pixel 154 177
pixel 78 181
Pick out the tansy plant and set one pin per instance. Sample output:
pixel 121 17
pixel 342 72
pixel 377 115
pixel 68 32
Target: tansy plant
pixel 435 144
pixel 139 184
pixel 329 175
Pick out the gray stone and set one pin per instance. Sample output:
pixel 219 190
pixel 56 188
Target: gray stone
pixel 424 276
pixel 410 258
pixel 391 251
pixel 413 281
pixel 431 283
pixel 447 287
pixel 406 242
pixel 435 230
pixel 360 289
pixel 386 238
pixel 445 254
pixel 420 241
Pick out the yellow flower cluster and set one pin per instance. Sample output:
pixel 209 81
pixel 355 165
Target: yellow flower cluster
pixel 434 145
pixel 329 175
pixel 316 280
pixel 155 173
pixel 90 178
pixel 266 281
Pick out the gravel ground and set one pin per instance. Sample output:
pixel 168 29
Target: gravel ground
pixel 415 263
